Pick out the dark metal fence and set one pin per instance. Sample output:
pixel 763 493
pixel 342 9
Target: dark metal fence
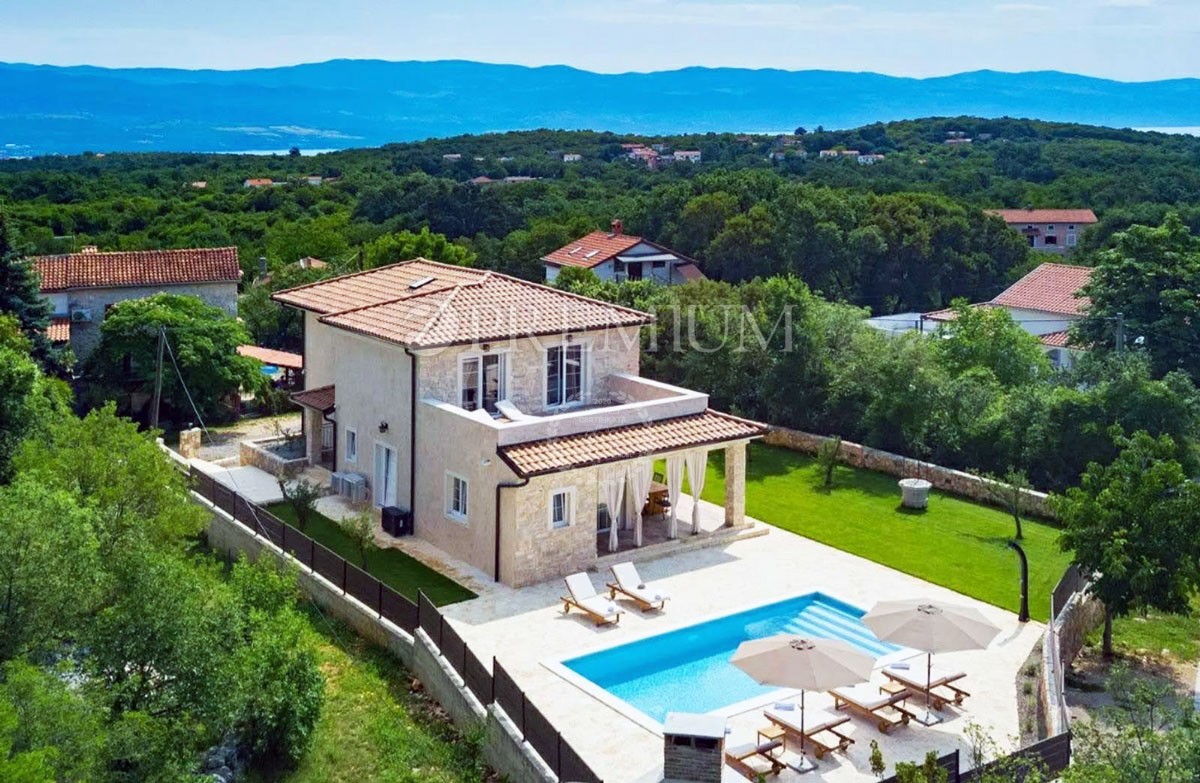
pixel 494 686
pixel 1050 756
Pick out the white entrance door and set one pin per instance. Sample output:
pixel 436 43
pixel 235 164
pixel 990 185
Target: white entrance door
pixel 385 475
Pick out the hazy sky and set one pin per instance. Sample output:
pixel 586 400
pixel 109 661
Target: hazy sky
pixel 1122 39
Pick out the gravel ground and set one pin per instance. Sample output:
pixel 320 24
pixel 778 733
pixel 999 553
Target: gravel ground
pixel 222 442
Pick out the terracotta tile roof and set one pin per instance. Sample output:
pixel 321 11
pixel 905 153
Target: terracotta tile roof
pixel 592 250
pixel 59 330
pixel 138 268
pixel 1050 288
pixel 1024 216
pixel 621 443
pixel 455 305
pixel 949 313
pixel 1055 339
pixel 320 399
pixel 290 361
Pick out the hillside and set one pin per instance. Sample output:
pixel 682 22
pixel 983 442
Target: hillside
pixel 354 103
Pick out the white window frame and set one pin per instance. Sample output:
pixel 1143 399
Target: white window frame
pixel 569 509
pixel 351 454
pixel 1072 240
pixel 505 373
pixel 452 513
pixel 585 373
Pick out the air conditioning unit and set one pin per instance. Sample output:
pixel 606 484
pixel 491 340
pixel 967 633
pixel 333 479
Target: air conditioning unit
pixel 354 486
pixel 81 315
pixel 337 483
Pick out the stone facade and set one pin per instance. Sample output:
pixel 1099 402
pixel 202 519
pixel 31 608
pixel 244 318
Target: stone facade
pixel 735 484
pixel 607 352
pixel 85 335
pixel 259 454
pixel 956 482
pixel 536 551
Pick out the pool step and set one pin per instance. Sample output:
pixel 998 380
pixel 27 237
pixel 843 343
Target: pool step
pixel 823 621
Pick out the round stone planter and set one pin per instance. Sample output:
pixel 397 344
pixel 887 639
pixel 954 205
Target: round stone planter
pixel 914 493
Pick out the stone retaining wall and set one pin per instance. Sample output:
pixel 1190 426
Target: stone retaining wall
pixel 955 482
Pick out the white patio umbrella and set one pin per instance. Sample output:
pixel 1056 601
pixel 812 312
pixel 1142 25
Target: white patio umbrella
pixel 807 663
pixel 930 626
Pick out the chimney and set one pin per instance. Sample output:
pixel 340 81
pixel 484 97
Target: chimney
pixel 693 747
pixel 262 265
pixel 618 227
pixel 89 249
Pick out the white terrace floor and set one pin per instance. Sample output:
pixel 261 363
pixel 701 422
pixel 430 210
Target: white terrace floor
pixel 526 628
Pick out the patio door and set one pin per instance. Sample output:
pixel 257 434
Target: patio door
pixel 386 475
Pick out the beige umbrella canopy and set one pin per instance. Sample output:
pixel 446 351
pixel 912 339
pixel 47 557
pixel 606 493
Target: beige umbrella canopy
pixel 930 626
pixel 810 664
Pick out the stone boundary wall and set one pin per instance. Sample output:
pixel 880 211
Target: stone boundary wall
pixel 503 747
pixel 955 482
pixel 255 453
pixel 1063 641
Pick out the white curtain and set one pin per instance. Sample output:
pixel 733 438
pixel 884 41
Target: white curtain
pixel 612 489
pixel 674 490
pixel 639 475
pixel 696 462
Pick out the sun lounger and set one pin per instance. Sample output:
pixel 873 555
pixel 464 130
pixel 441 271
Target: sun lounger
pixel 935 685
pixel 865 700
pixel 629 584
pixel 751 761
pixel 584 597
pixel 820 729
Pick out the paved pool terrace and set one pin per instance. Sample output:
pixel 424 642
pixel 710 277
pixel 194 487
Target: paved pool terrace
pixel 527 631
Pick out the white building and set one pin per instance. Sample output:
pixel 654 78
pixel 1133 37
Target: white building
pixel 507 416
pixel 615 255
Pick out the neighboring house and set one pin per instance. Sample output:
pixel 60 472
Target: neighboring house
pixel 258 183
pixel 452 157
pixel 507 416
pixel 869 159
pixel 688 156
pixel 615 255
pixel 1048 230
pixel 199 184
pixel 82 286
pixel 1044 303
pixel 571 157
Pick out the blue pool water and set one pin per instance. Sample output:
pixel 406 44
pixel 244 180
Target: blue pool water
pixel 688 670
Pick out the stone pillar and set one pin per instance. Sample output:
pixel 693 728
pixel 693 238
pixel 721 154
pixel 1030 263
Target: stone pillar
pixel 735 484
pixel 312 431
pixel 189 443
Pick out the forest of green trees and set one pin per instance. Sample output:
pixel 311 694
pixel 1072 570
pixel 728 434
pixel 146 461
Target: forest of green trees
pixel 830 239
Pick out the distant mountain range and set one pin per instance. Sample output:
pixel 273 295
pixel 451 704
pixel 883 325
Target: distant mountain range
pixel 355 103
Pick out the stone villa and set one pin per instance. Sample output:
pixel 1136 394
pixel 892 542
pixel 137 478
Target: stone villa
pixel 507 416
pixel 615 255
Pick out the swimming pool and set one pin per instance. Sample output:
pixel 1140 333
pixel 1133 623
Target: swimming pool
pixel 688 670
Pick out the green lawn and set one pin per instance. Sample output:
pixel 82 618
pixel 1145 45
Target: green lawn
pixel 402 573
pixel 1156 632
pixel 372 726
pixel 955 543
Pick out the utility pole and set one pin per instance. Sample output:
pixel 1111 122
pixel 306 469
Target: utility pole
pixel 1120 332
pixel 158 378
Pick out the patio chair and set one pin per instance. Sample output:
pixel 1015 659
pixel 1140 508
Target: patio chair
pixel 754 761
pixel 584 597
pixel 820 729
pixel 629 584
pixel 935 684
pixel 885 710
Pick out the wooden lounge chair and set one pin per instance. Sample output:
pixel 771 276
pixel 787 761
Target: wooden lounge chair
pixel 885 710
pixel 820 730
pixel 630 585
pixel 934 684
pixel 751 761
pixel 584 597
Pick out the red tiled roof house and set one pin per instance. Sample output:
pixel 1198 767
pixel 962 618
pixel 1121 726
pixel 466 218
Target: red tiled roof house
pixel 1045 303
pixel 507 416
pixel 615 255
pixel 82 286
pixel 1048 230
